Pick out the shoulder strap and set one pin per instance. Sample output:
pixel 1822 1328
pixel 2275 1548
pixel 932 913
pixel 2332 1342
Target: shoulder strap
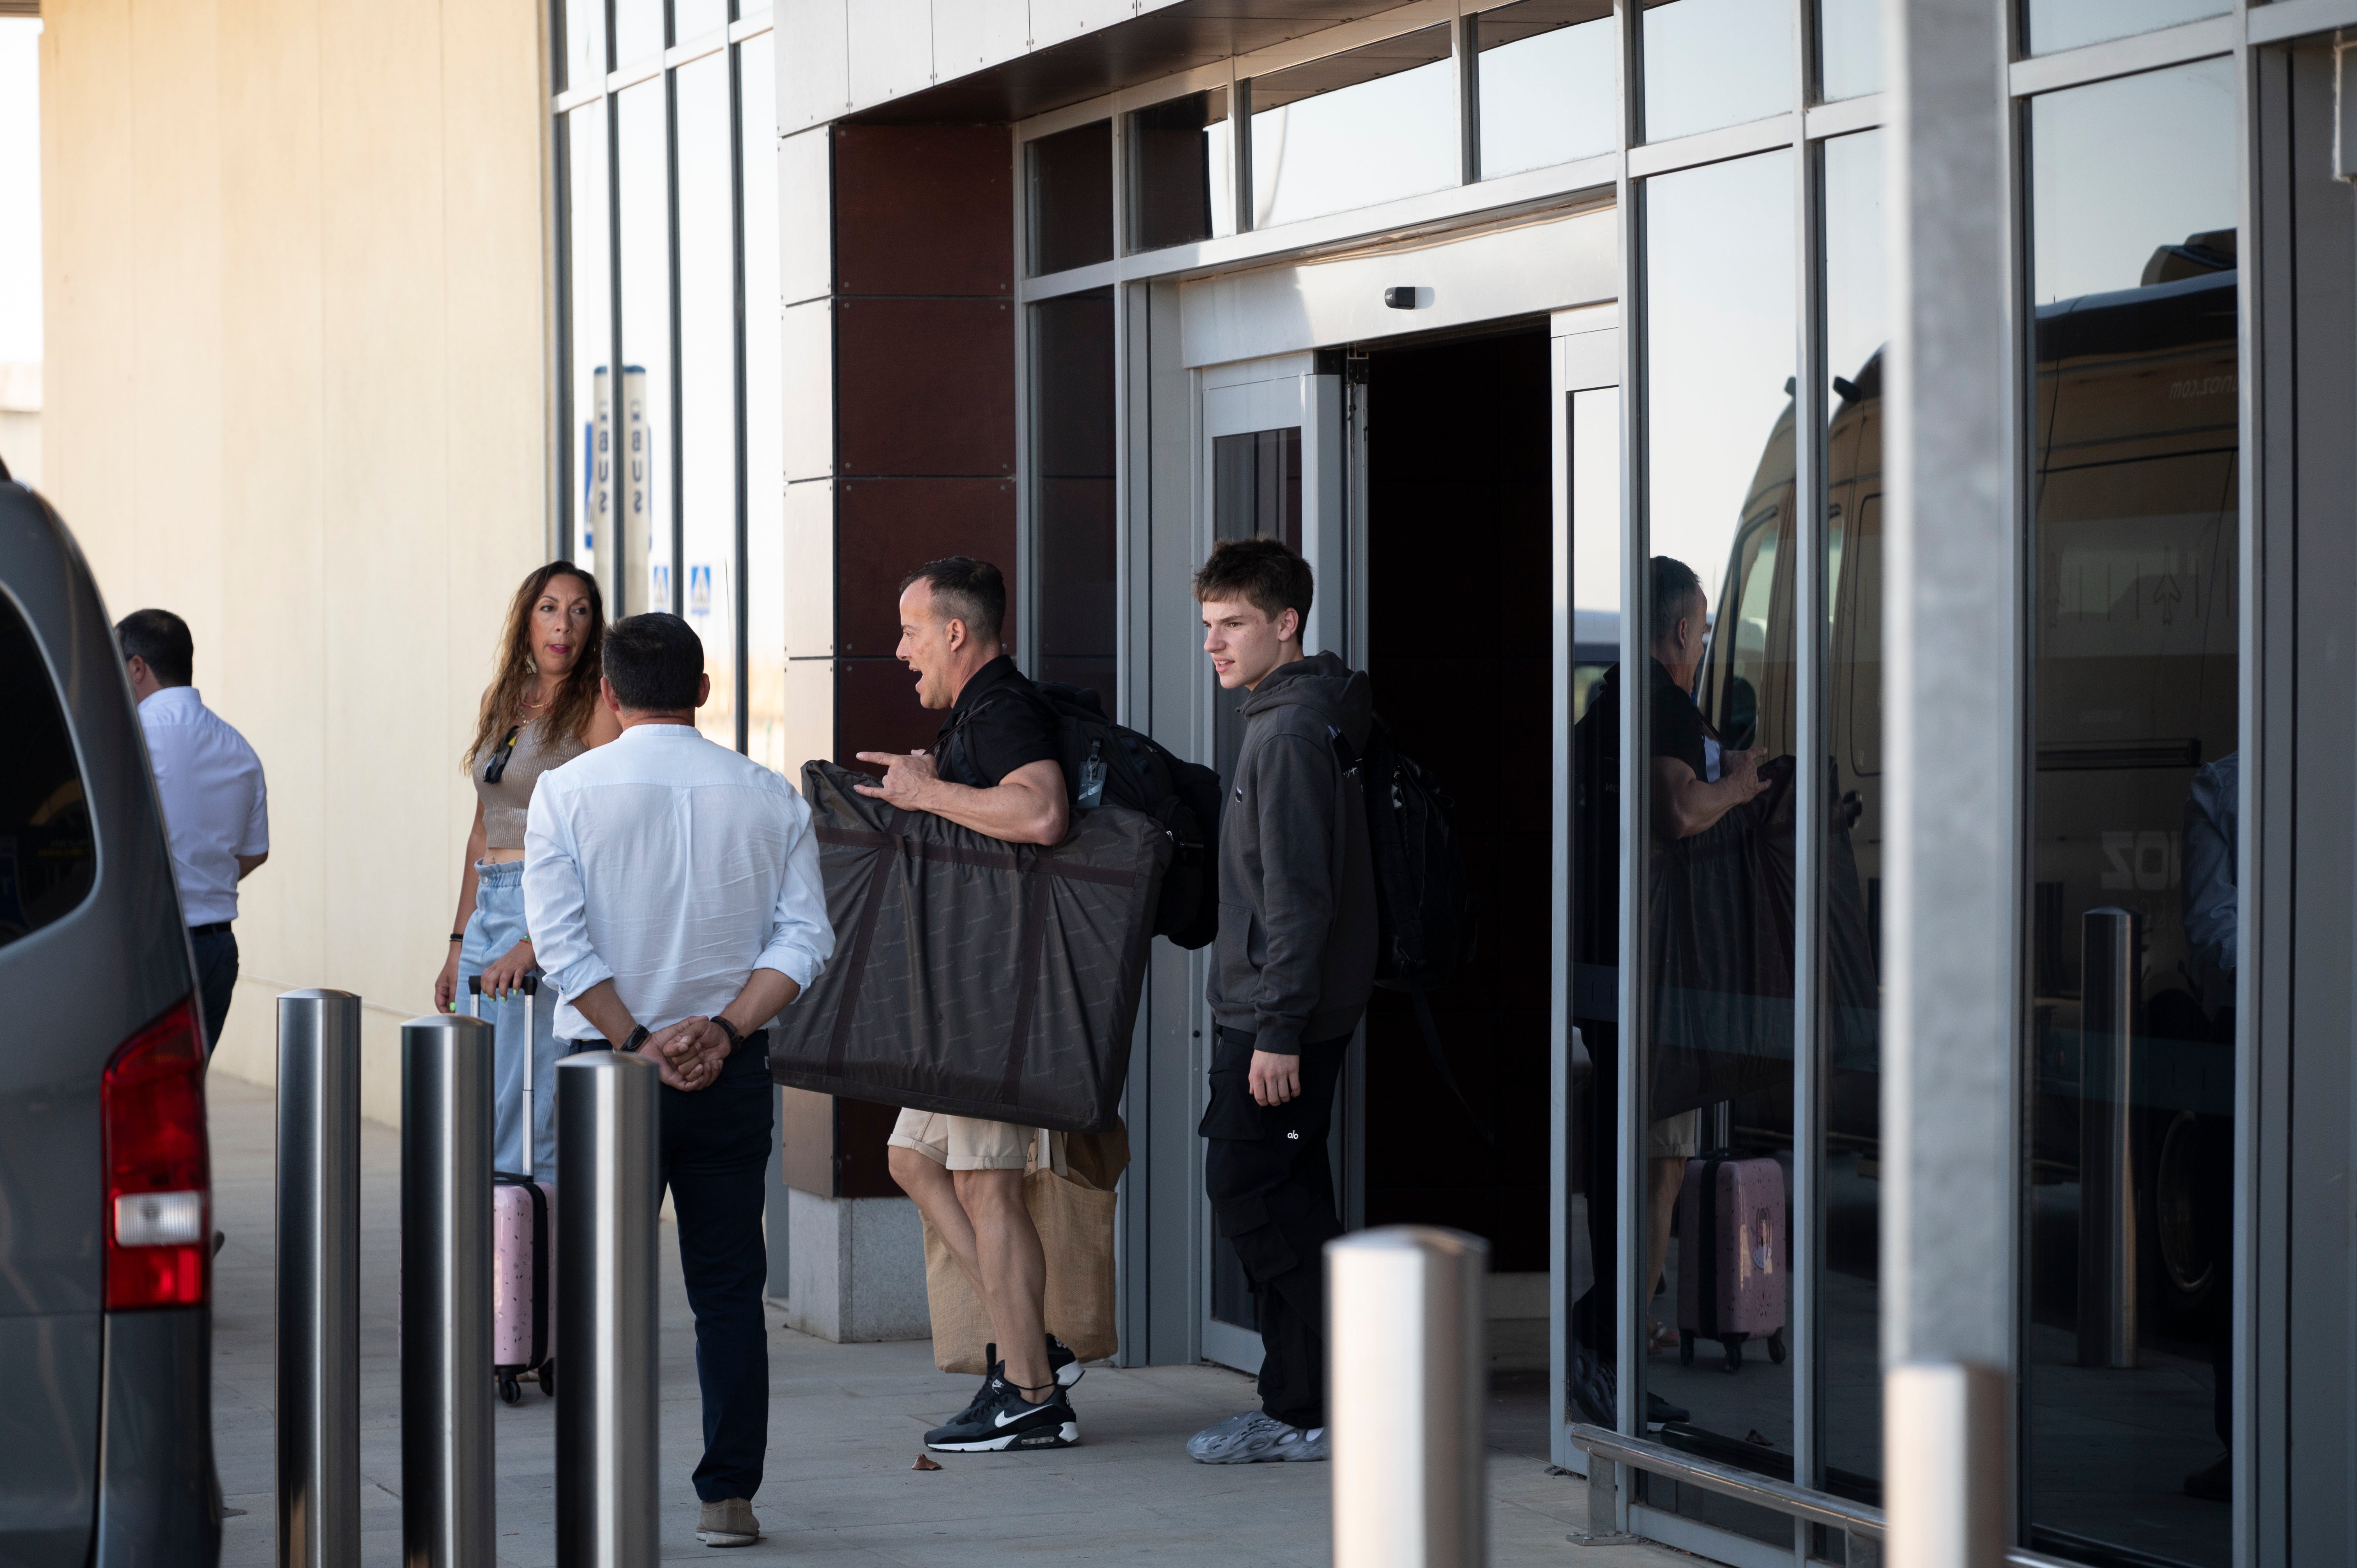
pixel 1440 1065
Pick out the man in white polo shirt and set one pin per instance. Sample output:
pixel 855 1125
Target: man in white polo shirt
pixel 216 808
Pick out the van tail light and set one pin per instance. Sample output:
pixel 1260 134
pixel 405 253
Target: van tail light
pixel 158 1174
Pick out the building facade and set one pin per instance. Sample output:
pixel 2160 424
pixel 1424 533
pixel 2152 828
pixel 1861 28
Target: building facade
pixel 1919 332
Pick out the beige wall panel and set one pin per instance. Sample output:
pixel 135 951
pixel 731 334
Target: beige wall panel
pixel 390 537
pixel 175 232
pixel 808 717
pixel 813 61
pixel 809 390
pixel 809 587
pixel 88 280
pixel 805 216
pixel 890 49
pixel 272 658
pixel 1054 21
pixel 297 391
pixel 174 412
pixel 969 35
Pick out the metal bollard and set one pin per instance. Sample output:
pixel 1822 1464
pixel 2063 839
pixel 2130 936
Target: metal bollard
pixel 1943 1455
pixel 607 1130
pixel 2111 984
pixel 1408 1487
pixel 318 1393
pixel 447 1518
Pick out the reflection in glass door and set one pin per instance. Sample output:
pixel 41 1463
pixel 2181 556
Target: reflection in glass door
pixel 1272 437
pixel 2126 1223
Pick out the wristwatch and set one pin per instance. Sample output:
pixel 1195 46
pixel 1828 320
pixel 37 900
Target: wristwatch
pixel 638 1037
pixel 729 1029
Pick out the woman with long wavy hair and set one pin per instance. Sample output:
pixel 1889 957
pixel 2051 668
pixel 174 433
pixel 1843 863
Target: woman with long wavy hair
pixel 540 711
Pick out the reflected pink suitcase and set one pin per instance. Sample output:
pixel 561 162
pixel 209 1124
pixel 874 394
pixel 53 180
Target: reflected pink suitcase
pixel 524 1231
pixel 1733 1256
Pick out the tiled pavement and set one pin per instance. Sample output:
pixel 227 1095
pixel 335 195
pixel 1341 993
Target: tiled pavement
pixel 844 1427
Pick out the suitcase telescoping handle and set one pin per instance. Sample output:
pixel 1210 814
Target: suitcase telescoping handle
pixel 530 988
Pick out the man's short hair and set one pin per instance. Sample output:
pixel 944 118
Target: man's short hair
pixel 653 662
pixel 965 589
pixel 1673 589
pixel 1261 572
pixel 161 639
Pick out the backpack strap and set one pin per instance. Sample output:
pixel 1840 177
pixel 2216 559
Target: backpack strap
pixel 1440 1065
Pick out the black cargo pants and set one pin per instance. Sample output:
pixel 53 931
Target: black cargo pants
pixel 1273 1198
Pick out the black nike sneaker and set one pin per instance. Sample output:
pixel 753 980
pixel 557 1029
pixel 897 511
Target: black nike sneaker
pixel 1062 1365
pixel 1006 1420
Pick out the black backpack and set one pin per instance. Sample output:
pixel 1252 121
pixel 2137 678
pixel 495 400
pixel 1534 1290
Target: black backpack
pixel 1425 922
pixel 1425 919
pixel 1106 764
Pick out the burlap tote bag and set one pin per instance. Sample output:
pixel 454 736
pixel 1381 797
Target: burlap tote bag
pixel 1074 1215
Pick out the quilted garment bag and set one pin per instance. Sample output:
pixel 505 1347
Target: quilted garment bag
pixel 970 975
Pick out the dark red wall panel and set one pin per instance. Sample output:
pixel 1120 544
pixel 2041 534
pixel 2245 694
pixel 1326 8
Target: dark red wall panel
pixel 924 210
pixel 887 528
pixel 925 386
pixel 875 709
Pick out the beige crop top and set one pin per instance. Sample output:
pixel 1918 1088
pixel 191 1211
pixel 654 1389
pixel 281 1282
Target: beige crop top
pixel 506 802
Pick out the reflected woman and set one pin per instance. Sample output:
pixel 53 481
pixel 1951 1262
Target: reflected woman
pixel 540 711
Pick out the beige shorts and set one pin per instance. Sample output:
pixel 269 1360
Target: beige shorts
pixel 1676 1137
pixel 964 1142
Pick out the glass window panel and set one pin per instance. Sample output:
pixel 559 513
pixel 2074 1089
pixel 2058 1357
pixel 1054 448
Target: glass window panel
pixel 51 852
pixel 2066 24
pixel 643 419
pixel 1717 1062
pixel 707 383
pixel 691 19
pixel 2133 795
pixel 1255 494
pixel 585 43
pixel 1850 1033
pixel 1550 73
pixel 765 456
pixel 1077 600
pixel 638 30
pixel 1071 197
pixel 1716 63
pixel 1849 48
pixel 1594 1286
pixel 1181 172
pixel 1354 129
pixel 591 306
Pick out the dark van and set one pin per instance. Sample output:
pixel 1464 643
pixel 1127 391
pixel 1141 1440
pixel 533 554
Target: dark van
pixel 106 1192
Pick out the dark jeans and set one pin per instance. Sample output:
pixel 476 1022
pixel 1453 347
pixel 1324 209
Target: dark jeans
pixel 1273 1198
pixel 215 953
pixel 715 1147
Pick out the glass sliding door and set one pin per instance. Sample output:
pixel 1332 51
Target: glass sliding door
pixel 2130 891
pixel 1713 1045
pixel 1848 1211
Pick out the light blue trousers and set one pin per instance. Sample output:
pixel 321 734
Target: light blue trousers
pixel 496 926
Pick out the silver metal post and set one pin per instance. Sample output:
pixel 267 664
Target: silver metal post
pixel 1408 1487
pixel 607 1133
pixel 2111 959
pixel 318 1393
pixel 1943 1447
pixel 447 1519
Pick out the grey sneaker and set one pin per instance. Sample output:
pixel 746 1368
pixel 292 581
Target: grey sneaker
pixel 728 1522
pixel 1255 1437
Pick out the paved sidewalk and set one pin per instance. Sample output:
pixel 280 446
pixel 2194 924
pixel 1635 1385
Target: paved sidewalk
pixel 846 1423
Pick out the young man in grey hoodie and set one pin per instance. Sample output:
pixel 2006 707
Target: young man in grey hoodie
pixel 1293 963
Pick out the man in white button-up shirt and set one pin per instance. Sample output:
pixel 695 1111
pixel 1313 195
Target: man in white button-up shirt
pixel 216 806
pixel 672 889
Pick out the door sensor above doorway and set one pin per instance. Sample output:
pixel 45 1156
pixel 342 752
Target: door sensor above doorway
pixel 1402 298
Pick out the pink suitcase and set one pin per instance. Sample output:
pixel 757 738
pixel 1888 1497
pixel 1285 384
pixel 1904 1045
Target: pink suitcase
pixel 1733 1256
pixel 524 1231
